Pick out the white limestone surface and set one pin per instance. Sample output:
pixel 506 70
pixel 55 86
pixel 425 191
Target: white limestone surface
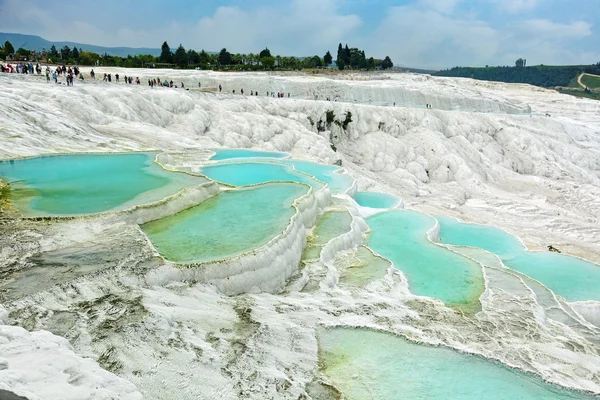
pixel 478 155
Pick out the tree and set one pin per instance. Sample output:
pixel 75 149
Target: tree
pixel 65 52
pixel 315 62
pixel 204 58
pixel 8 48
pixel 340 61
pixel 75 53
pixel 224 57
pixel 328 59
pixel 180 57
pixel 268 62
pixel 520 63
pixel 193 57
pixel 53 51
pixel 371 63
pixel 265 53
pixel 387 63
pixel 165 54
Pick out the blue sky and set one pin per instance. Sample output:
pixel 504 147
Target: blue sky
pixel 416 33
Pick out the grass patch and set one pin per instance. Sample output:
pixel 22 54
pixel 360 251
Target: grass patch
pixel 593 82
pixel 580 93
pixel 574 83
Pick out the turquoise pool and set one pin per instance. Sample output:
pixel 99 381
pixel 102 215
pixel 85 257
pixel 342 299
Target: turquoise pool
pixel 376 200
pixel 570 277
pixel 431 270
pixel 252 173
pixel 366 364
pixel 88 183
pixel 225 225
pixel 227 154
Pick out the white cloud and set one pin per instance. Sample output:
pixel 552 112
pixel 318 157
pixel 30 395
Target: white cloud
pixel 443 6
pixel 417 36
pixel 516 6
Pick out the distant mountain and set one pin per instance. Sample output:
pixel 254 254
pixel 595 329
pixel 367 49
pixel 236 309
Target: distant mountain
pixel 31 42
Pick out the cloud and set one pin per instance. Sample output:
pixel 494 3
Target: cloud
pixel 298 27
pixel 516 6
pixel 419 35
pixel 443 6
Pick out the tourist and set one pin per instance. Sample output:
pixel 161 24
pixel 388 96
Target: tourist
pixel 242 91
pixel 117 77
pixel 105 78
pixel 220 88
pixel 109 77
pixel 183 87
pixel 93 74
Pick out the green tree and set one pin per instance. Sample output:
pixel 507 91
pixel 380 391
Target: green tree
pixel 65 53
pixel 371 63
pixel 265 53
pixel 387 63
pixel 224 57
pixel 53 51
pixel 204 59
pixel 193 57
pixel 75 53
pixel 8 48
pixel 520 63
pixel 268 62
pixel 315 62
pixel 23 53
pixel 165 54
pixel 180 57
pixel 340 57
pixel 328 59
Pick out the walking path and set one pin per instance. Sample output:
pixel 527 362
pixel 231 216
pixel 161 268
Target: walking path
pixel 581 76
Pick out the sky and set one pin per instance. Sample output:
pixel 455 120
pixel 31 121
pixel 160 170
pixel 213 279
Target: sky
pixel 432 34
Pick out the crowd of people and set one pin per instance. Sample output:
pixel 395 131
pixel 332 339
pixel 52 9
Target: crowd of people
pixel 71 74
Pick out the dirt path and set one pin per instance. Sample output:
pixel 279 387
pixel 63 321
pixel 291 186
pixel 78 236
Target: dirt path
pixel 581 76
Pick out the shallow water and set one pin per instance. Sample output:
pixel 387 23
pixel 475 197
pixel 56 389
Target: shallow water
pixel 330 225
pixel 366 364
pixel 228 224
pixel 431 270
pixel 570 277
pixel 364 268
pixel 226 154
pixel 252 173
pixel 88 183
pixel 375 200
pixel 337 182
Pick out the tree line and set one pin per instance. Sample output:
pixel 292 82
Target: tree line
pixel 539 75
pixel 347 58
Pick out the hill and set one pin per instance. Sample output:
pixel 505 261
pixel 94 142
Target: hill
pixel 32 42
pixel 539 75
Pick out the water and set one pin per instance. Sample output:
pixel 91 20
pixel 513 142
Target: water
pixel 570 277
pixel 252 173
pixel 88 183
pixel 431 270
pixel 330 225
pixel 367 364
pixel 226 154
pixel 330 174
pixel 228 224
pixel 364 268
pixel 375 200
